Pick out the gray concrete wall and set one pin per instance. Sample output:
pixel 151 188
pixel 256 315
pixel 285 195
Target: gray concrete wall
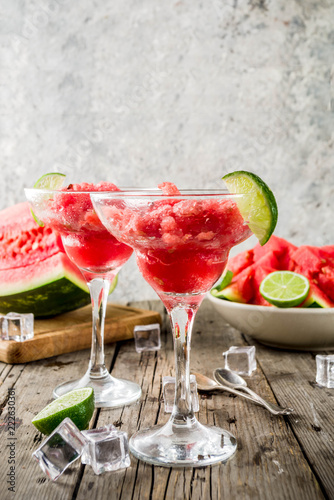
pixel 142 91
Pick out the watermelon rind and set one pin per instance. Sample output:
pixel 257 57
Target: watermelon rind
pixel 45 288
pixel 317 299
pixel 53 298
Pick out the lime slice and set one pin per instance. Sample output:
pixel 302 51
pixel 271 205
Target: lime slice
pixel 227 278
pixel 53 180
pixel 258 210
pixel 285 288
pixel 78 405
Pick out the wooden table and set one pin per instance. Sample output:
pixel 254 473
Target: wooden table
pixel 278 457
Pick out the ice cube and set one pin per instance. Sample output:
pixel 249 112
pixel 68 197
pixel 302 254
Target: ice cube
pixel 325 370
pixel 15 326
pixel 168 391
pixel 106 449
pixel 147 337
pixel 240 359
pixel 60 449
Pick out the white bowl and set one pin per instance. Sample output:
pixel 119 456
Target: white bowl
pixel 295 328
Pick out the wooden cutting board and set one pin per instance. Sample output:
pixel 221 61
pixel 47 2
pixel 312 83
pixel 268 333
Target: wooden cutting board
pixel 72 331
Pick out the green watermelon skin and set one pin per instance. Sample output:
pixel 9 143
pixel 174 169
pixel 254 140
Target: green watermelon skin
pixel 49 300
pixel 317 298
pixel 36 276
pixel 241 287
pixel 46 288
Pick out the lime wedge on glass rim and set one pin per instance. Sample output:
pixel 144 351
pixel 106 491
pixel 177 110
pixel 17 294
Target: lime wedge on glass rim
pixel 78 405
pixel 50 181
pixel 285 288
pixel 258 210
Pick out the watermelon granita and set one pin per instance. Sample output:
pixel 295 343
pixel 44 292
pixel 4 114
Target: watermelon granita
pixel 87 242
pixel 182 242
pixel 35 273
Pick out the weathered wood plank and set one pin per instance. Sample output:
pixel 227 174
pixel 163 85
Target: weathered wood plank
pixel 142 368
pixel 268 459
pixel 269 462
pixel 33 390
pixel 291 376
pixel 72 331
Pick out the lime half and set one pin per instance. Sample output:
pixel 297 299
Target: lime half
pixel 78 405
pixel 258 210
pixel 285 288
pixel 53 180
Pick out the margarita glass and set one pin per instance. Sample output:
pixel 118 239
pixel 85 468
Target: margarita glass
pixel 181 241
pixel 99 256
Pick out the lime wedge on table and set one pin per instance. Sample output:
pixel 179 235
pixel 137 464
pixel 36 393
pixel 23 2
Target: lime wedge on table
pixel 53 180
pixel 258 210
pixel 78 405
pixel 285 288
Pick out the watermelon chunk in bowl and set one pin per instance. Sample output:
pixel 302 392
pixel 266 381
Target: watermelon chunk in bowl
pixel 36 275
pixel 308 326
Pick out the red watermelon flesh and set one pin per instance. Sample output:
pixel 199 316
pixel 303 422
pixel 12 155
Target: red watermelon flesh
pixel 239 262
pixel 22 241
pixel 280 247
pixel 35 274
pixel 269 260
pixel 241 287
pixel 260 272
pixel 329 250
pixel 325 281
pixel 327 253
pixel 308 261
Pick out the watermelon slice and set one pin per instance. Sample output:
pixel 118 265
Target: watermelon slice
pixel 241 287
pixel 269 260
pixel 282 249
pixel 308 261
pixel 45 288
pixel 35 274
pixel 325 281
pixel 260 272
pixel 22 241
pixel 278 254
pixel 316 298
pixel 239 262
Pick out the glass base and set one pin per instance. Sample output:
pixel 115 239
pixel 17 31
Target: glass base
pixel 174 445
pixel 109 392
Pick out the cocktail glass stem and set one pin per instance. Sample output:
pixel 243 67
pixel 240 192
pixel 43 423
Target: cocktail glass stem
pixel 109 392
pixel 182 441
pixel 99 290
pixel 182 319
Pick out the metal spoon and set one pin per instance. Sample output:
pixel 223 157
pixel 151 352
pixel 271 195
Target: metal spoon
pixel 207 384
pixel 232 380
